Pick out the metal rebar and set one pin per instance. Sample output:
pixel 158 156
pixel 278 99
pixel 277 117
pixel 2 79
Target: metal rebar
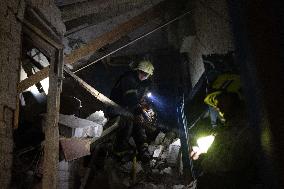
pixel 133 41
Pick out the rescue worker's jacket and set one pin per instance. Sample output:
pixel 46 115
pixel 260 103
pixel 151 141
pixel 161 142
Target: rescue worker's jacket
pixel 129 90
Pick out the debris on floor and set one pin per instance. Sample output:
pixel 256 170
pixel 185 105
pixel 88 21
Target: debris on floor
pixel 173 152
pixel 162 171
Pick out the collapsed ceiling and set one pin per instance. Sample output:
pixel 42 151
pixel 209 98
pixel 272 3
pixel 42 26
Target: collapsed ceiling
pixel 95 28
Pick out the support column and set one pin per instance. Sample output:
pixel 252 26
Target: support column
pixel 51 145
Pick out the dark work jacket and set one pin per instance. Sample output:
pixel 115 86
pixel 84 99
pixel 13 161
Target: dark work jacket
pixel 129 90
pixel 230 161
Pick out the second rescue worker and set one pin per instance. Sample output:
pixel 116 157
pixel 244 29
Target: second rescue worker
pixel 128 92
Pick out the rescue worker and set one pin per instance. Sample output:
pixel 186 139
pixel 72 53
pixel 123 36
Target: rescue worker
pixel 128 92
pixel 230 161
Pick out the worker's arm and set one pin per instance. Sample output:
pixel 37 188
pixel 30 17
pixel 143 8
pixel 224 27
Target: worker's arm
pixel 131 91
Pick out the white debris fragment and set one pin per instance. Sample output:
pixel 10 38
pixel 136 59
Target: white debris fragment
pixel 158 151
pixel 159 139
pixel 82 127
pixel 98 117
pixel 173 152
pixel 176 142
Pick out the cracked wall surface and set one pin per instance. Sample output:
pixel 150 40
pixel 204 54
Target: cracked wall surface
pixel 212 34
pixel 10 47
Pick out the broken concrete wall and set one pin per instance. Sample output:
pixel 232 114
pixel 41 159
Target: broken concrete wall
pixel 10 48
pixel 208 32
pixel 84 36
pixel 213 34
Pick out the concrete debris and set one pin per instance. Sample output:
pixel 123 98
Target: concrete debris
pixel 167 170
pixel 158 151
pixel 174 149
pixel 81 127
pixel 158 174
pixel 98 117
pixel 159 139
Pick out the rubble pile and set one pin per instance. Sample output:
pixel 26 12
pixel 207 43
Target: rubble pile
pixel 162 172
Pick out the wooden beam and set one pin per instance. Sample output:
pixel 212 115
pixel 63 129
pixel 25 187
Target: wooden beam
pixel 33 79
pixel 74 148
pixel 115 34
pixel 105 100
pixel 107 38
pixel 51 145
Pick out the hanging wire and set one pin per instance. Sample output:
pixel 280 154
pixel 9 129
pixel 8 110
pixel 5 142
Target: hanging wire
pixel 133 41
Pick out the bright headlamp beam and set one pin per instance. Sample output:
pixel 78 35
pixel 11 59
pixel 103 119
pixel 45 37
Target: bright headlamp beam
pixel 149 94
pixel 205 142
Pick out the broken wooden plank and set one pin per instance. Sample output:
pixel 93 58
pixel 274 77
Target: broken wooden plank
pixel 115 34
pixel 107 38
pixel 105 100
pixel 74 148
pixel 33 79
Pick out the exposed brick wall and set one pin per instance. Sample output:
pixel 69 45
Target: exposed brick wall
pixel 212 33
pixel 10 49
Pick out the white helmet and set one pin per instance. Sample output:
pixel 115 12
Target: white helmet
pixel 145 66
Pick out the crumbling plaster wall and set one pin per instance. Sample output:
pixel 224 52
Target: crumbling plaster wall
pixel 11 18
pixel 210 23
pixel 10 47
